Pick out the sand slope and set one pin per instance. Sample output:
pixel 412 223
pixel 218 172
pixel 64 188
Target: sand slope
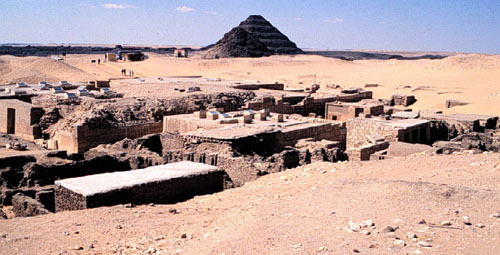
pixel 301 211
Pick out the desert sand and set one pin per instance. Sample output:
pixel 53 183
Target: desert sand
pixel 472 78
pixel 306 210
pixel 417 203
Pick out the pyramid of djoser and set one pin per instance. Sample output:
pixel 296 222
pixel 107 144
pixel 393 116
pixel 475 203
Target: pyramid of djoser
pixel 254 37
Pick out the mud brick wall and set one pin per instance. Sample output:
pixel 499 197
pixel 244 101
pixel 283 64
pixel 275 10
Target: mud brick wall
pixel 81 138
pixel 359 128
pixel 163 191
pixel 26 116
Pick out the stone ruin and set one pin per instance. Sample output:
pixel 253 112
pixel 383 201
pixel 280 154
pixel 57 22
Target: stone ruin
pixel 240 135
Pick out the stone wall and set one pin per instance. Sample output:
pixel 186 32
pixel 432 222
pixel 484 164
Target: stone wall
pixel 344 112
pixel 359 128
pixel 316 131
pixel 410 131
pixel 81 138
pixel 20 118
pixel 363 153
pixel 185 125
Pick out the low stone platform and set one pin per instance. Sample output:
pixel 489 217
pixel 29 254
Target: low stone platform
pixel 158 184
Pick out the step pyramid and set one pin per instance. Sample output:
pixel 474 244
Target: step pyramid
pixel 254 37
pixel 265 32
pixel 237 43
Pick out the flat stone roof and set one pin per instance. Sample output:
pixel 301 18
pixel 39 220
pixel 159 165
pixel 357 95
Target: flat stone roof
pixel 405 115
pixel 233 132
pixel 400 123
pixel 103 183
pixel 459 116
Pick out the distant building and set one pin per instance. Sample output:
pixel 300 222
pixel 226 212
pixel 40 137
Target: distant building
pixel 180 53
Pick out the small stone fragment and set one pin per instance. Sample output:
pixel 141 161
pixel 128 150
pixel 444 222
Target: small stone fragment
pixel 411 235
pixel 129 205
pixel 399 242
pixel 391 229
pixel 183 236
pixel 466 221
pixel 355 250
pixel 78 248
pixel 495 215
pixel 479 225
pixel 445 223
pixel 366 232
pixel 422 221
pixel 117 226
pixel 372 246
pixel 353 226
pixel 65 233
pixel 424 244
pixel 366 223
pixel 398 220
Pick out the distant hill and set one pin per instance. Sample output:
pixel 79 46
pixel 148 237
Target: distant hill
pixel 359 55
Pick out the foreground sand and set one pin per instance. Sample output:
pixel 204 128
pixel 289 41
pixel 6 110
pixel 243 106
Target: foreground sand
pixel 301 211
pixel 471 78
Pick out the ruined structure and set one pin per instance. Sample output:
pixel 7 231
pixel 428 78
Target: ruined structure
pixel 157 184
pixel 304 105
pixel 345 111
pixel 20 118
pixel 244 128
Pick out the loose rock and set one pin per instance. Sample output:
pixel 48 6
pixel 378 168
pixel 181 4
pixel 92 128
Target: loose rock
pixel 391 229
pixel 411 235
pixel 424 244
pixel 445 223
pixel 399 242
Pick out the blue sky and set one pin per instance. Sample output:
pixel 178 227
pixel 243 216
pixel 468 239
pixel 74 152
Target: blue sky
pixel 414 25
